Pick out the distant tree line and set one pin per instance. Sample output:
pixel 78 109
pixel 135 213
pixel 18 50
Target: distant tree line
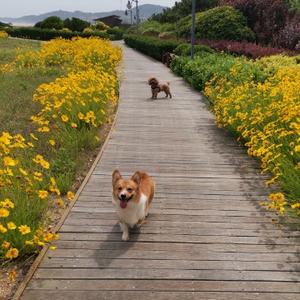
pixel 53 22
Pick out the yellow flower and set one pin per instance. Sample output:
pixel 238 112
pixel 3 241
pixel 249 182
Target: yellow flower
pixel 12 275
pixel 24 229
pixel 7 203
pixel 2 229
pixel 5 138
pixel 74 125
pixel 4 213
pixel 295 205
pixel 29 243
pixel 80 116
pixel 45 164
pixel 5 245
pixel 12 253
pixel 276 197
pixel 297 148
pixel 23 172
pixel 49 236
pixel 70 196
pixel 52 142
pixel 9 162
pixel 52 247
pixel 11 225
pixel 64 118
pixel 37 174
pixel 43 194
pixel 34 137
pixel 43 129
pixel 60 202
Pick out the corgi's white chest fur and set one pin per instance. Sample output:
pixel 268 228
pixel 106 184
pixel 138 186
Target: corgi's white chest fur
pixel 133 212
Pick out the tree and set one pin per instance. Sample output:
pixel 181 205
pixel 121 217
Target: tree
pixel 52 22
pixel 265 17
pixel 76 24
pixel 182 9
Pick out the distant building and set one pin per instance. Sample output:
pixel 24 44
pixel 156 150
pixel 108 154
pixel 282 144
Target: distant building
pixel 111 21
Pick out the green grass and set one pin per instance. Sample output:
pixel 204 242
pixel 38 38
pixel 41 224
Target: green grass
pixel 16 105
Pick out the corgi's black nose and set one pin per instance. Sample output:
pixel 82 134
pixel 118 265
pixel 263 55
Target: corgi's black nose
pixel 123 196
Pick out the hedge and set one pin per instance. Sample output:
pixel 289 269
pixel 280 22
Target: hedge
pixel 185 49
pixel 151 46
pixel 207 66
pixel 48 34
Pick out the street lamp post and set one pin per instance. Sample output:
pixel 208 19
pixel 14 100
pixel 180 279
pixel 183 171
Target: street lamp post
pixel 193 28
pixel 129 7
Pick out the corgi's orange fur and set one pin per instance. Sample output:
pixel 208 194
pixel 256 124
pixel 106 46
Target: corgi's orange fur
pixel 132 199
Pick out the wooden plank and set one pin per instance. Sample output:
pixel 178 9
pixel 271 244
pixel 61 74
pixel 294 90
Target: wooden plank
pixel 179 238
pixel 149 229
pixel 183 218
pixel 164 274
pixel 105 263
pixel 176 255
pixel 185 212
pixel 166 224
pixel 165 285
pixel 124 295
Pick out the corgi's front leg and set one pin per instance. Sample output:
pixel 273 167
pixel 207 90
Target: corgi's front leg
pixel 125 230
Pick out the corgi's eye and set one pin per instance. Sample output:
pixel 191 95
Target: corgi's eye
pixel 129 190
pixel 119 189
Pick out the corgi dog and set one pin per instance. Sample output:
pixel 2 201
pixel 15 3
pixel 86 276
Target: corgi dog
pixel 132 199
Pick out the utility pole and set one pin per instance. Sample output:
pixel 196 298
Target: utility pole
pixel 193 28
pixel 137 12
pixel 129 7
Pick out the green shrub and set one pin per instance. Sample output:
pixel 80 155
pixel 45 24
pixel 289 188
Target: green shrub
pixel 100 26
pixel 207 66
pixel 76 24
pixel 52 22
pixel 151 46
pixel 224 23
pixel 168 35
pixel 116 33
pixel 150 32
pixel 185 49
pixel 48 34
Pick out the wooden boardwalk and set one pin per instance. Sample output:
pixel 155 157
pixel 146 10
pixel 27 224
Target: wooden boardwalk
pixel 206 237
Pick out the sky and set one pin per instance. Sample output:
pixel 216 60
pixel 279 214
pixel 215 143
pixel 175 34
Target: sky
pixel 18 8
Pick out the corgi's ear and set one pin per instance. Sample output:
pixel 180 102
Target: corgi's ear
pixel 116 175
pixel 136 177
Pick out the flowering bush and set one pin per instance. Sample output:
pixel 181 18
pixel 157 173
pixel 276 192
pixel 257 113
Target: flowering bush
pixel 260 103
pixel 32 175
pixel 3 35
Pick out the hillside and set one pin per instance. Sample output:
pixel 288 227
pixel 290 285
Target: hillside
pixel 146 11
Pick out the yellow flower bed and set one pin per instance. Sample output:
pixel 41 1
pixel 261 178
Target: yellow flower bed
pixel 3 35
pixel 266 115
pixel 71 110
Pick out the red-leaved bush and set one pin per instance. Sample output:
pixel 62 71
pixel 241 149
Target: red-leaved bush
pixel 265 17
pixel 250 50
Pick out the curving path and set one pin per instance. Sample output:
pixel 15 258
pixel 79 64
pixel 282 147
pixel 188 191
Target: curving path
pixel 206 238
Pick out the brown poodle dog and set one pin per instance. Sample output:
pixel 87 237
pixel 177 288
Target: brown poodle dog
pixel 156 88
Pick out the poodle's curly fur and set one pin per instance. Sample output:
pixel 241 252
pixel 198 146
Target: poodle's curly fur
pixel 156 88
